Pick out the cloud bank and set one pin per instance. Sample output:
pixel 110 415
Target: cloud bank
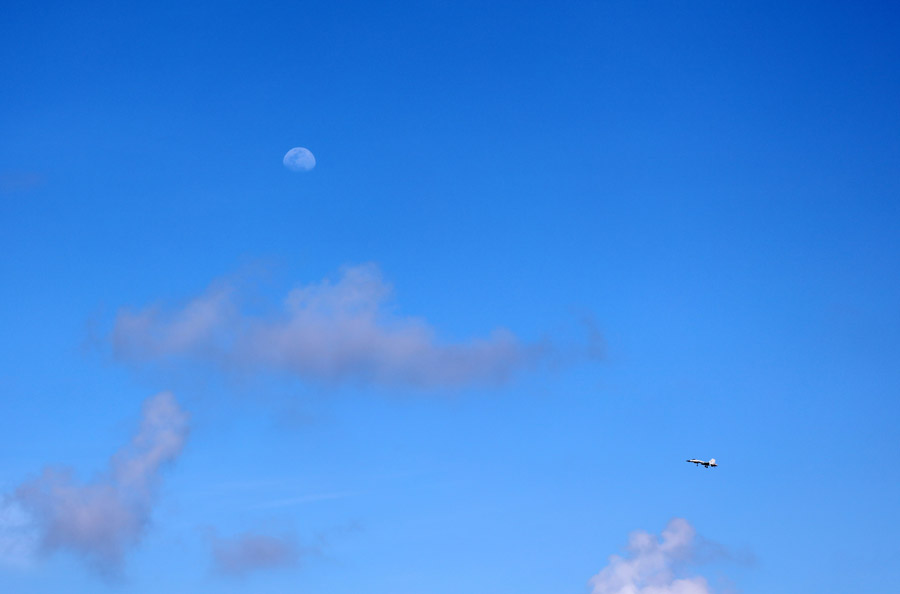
pixel 650 565
pixel 102 519
pixel 251 552
pixel 329 332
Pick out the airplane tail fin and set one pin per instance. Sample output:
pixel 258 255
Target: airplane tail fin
pixel 712 462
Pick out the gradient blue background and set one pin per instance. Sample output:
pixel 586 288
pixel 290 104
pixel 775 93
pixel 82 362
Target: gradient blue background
pixel 715 183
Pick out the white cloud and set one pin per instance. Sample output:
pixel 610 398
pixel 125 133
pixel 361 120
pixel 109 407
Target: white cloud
pixel 651 563
pixel 100 520
pixel 328 331
pixel 251 552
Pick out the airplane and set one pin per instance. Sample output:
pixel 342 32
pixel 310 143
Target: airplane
pixel 710 464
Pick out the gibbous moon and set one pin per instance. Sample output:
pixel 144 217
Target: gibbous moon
pixel 299 159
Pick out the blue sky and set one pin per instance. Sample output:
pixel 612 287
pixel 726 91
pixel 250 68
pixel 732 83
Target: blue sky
pixel 712 185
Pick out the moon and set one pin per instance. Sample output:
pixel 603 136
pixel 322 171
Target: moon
pixel 299 159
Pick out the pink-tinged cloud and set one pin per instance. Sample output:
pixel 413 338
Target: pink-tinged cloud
pixel 328 332
pixel 651 563
pixel 251 552
pixel 102 519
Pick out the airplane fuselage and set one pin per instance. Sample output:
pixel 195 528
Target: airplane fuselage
pixel 704 463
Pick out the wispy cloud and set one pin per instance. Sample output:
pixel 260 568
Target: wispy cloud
pixel 100 520
pixel 328 331
pixel 18 537
pixel 251 552
pixel 652 563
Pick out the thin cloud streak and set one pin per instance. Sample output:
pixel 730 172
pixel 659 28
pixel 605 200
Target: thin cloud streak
pixel 289 501
pixel 12 182
pixel 102 519
pixel 330 332
pixel 650 567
